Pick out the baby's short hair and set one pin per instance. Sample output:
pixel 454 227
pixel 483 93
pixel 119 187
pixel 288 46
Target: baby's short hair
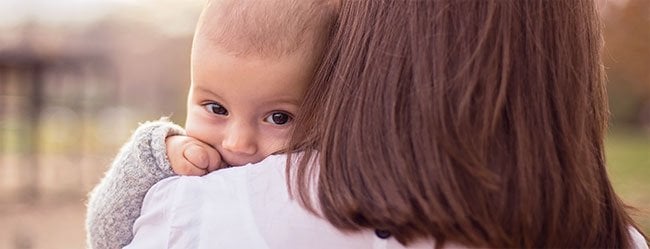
pixel 266 28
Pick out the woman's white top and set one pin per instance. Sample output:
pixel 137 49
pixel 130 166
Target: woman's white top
pixel 245 207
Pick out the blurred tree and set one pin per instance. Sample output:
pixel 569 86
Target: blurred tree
pixel 627 59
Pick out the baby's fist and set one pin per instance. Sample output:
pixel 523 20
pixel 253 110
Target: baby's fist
pixel 190 156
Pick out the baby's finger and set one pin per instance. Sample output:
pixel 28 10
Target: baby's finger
pixel 188 169
pixel 197 155
pixel 215 159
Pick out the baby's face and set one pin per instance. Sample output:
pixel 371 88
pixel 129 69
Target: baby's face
pixel 244 106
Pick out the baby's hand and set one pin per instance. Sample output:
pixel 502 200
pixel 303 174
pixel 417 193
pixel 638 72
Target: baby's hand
pixel 191 157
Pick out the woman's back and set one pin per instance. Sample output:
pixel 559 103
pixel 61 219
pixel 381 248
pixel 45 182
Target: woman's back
pixel 474 121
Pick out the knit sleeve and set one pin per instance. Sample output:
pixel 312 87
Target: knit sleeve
pixel 115 203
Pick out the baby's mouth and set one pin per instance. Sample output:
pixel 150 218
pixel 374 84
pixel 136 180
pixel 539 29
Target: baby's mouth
pixel 233 161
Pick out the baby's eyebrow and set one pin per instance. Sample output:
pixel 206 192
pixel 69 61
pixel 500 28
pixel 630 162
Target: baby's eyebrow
pixel 283 100
pixel 290 100
pixel 294 98
pixel 205 90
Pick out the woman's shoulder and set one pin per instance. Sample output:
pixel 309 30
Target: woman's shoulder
pixel 267 168
pixel 230 179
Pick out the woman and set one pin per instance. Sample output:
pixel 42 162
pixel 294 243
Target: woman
pixel 432 123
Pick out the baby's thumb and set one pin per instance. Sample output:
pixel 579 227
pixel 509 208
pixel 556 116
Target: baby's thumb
pixel 197 156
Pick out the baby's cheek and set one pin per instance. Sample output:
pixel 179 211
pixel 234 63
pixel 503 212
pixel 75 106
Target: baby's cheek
pixel 207 132
pixel 191 129
pixel 276 143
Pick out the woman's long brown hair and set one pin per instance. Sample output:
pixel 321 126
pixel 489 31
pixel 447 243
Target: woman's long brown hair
pixel 479 122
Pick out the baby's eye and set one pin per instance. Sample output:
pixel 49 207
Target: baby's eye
pixel 216 109
pixel 279 118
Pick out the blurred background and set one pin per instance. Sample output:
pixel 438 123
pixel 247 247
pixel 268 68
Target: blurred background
pixel 77 76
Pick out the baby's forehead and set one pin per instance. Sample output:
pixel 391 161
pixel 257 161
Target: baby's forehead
pixel 249 76
pixel 268 27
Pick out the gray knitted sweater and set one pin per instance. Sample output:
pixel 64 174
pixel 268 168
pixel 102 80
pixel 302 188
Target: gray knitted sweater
pixel 115 203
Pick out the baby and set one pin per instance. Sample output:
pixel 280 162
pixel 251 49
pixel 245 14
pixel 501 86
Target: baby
pixel 251 62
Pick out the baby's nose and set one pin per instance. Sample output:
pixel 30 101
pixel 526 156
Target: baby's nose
pixel 240 140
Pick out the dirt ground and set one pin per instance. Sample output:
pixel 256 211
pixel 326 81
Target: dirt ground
pixel 56 225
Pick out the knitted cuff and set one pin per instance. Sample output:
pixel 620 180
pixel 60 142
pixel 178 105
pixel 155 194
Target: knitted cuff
pixel 151 137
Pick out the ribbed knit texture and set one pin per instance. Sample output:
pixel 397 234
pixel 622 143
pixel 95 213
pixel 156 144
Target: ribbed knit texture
pixel 115 203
